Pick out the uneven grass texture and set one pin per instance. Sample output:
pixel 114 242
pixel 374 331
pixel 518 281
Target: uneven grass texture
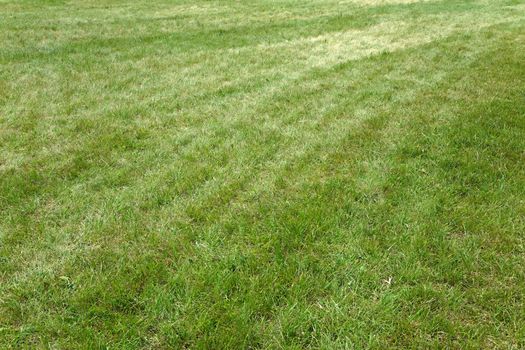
pixel 288 174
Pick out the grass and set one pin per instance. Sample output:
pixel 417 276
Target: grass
pixel 262 174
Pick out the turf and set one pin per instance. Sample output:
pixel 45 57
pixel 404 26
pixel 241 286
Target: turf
pixel 262 174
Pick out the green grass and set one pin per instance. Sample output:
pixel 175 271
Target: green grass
pixel 262 174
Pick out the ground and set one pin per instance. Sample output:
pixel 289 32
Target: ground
pixel 262 174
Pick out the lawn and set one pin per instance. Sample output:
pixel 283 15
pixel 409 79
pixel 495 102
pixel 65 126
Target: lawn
pixel 274 174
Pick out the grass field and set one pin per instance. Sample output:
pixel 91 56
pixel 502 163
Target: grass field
pixel 262 174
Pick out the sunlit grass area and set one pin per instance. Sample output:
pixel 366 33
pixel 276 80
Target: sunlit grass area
pixel 283 174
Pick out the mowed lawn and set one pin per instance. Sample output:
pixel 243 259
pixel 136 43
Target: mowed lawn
pixel 317 174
